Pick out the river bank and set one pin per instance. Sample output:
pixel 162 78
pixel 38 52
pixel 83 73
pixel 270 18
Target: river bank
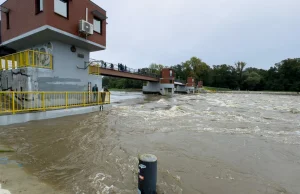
pixel 260 92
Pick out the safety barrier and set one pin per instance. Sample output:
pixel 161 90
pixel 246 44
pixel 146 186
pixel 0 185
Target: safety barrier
pixel 94 69
pixel 27 58
pixel 16 102
pixel 119 67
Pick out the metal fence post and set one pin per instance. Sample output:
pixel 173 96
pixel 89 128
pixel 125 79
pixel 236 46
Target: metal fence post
pixel 6 63
pixel 43 101
pixel 51 62
pixel 84 104
pixel 13 103
pixel 66 99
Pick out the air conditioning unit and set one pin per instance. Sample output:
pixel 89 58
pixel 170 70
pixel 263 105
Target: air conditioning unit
pixel 85 27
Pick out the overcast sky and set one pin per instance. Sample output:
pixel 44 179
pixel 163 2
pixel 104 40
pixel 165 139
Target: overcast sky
pixel 259 32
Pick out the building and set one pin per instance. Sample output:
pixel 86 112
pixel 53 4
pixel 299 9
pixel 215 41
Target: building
pixel 187 88
pixel 165 86
pixel 50 42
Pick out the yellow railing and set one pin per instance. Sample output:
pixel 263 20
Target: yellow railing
pixel 27 58
pixel 15 102
pixel 94 69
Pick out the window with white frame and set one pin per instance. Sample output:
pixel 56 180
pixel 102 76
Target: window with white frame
pixel 61 7
pixel 97 25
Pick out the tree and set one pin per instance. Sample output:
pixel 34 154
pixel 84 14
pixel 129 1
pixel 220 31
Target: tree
pixel 156 68
pixel 239 66
pixel 198 69
pixel 224 76
pixel 252 79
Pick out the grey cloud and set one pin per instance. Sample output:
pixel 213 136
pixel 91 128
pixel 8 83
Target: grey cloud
pixel 140 32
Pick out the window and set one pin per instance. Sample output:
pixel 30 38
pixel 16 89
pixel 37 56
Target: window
pixel 39 6
pixel 61 7
pixel 98 25
pixel 7 20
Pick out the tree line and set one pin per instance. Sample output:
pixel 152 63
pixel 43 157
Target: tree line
pixel 283 76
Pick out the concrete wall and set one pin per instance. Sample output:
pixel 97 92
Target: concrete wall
pixel 156 87
pixel 181 89
pixel 166 89
pixel 152 87
pixel 65 75
pixel 22 118
pixel 190 90
pixel 18 80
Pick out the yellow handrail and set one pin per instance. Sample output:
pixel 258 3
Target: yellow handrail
pixel 27 58
pixel 16 102
pixel 94 69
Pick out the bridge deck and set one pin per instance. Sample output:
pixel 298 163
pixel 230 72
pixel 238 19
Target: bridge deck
pixel 125 74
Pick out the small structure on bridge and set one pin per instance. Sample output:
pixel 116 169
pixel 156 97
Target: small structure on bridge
pixel 165 85
pixel 187 88
pixel 199 87
pixel 190 85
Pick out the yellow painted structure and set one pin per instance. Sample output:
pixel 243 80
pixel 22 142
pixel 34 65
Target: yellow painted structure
pixel 17 102
pixel 27 58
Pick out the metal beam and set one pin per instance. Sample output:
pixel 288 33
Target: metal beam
pixel 114 73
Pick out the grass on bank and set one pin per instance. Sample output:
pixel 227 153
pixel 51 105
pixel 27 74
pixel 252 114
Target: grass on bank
pixel 216 89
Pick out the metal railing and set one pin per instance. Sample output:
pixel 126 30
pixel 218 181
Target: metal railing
pixel 94 69
pixel 123 68
pixel 180 81
pixel 27 58
pixel 16 102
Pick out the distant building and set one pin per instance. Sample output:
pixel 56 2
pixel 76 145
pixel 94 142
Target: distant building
pixel 66 30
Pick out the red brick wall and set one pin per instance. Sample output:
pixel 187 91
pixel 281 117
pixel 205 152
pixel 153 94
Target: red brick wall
pixel 190 82
pixel 200 84
pixel 165 75
pixel 24 19
pixel 76 13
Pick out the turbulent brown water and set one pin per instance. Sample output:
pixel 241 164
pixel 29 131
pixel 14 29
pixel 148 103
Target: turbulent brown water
pixel 207 143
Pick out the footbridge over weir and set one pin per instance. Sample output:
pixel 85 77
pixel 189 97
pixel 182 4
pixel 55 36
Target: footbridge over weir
pixel 122 71
pixel 163 82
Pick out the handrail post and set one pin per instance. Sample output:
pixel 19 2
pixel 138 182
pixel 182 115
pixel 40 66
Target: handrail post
pixel 6 63
pixel 27 58
pixel 13 103
pixel 66 99
pixel 51 62
pixel 84 104
pixel 33 59
pixel 43 101
pixel 20 59
pixel 13 61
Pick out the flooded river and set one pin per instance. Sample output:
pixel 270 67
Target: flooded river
pixel 207 144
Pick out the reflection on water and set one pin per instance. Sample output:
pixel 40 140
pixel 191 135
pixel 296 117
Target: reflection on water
pixel 208 143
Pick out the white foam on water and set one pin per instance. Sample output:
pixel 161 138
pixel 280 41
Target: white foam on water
pixel 175 108
pixel 162 101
